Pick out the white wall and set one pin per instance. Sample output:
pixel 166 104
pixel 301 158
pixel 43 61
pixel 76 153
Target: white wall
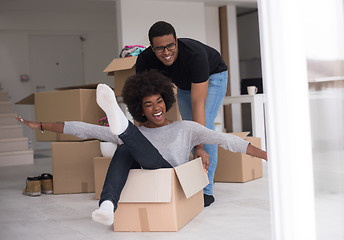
pixel 19 19
pixel 16 24
pixel 212 27
pixel 188 18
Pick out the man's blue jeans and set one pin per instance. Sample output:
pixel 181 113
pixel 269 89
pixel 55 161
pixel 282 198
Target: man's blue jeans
pixel 216 93
pixel 136 152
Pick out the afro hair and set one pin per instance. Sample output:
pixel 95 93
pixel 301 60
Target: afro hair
pixel 143 85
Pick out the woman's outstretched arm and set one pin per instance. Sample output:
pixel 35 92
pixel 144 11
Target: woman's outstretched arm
pixel 256 152
pixel 48 126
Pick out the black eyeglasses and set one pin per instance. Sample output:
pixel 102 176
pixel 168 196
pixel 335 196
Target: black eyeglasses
pixel 170 47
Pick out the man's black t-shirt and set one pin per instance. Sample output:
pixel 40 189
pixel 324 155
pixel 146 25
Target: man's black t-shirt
pixel 195 63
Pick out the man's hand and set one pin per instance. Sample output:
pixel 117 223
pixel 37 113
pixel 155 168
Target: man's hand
pixel 200 152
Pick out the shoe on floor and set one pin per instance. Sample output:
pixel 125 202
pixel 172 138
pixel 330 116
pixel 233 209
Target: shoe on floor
pixel 46 183
pixel 208 199
pixel 33 186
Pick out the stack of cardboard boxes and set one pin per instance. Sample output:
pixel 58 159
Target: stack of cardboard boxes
pixel 72 157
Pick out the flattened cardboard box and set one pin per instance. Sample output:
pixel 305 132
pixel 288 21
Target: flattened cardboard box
pixel 157 200
pixel 121 69
pixel 238 167
pixel 65 104
pixel 72 165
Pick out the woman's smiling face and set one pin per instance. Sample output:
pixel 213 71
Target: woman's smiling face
pixel 154 109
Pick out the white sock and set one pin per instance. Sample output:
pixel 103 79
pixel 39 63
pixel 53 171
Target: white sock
pixel 106 99
pixel 104 214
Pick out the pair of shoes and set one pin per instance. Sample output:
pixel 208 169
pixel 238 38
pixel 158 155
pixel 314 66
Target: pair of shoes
pixel 208 199
pixel 40 184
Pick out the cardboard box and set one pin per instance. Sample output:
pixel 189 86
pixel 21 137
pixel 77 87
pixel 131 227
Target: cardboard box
pixel 174 114
pixel 72 166
pixel 238 167
pixel 66 104
pixel 121 69
pixel 157 200
pixel 101 165
pixel 161 200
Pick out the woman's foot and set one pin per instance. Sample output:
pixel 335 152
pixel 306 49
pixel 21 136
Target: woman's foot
pixel 208 199
pixel 104 214
pixel 106 99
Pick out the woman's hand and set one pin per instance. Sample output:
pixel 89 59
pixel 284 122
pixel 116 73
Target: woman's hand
pixel 33 125
pixel 256 152
pixel 200 152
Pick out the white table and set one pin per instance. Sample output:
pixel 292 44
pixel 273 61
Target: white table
pixel 257 112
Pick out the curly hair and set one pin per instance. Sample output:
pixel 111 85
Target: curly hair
pixel 143 85
pixel 159 29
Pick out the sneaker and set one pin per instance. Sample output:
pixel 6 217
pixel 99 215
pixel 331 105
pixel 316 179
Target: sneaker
pixel 208 199
pixel 46 183
pixel 33 186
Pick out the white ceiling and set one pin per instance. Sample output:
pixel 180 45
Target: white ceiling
pixel 239 3
pixel 87 5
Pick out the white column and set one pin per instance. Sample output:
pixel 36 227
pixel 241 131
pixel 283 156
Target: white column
pixel 288 120
pixel 119 23
pixel 234 65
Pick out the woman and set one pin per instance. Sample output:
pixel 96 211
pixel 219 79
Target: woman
pixel 158 143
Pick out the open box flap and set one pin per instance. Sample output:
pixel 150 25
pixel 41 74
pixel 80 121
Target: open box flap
pixel 148 186
pixel 85 86
pixel 241 134
pixel 31 98
pixel 27 100
pixel 118 64
pixel 192 177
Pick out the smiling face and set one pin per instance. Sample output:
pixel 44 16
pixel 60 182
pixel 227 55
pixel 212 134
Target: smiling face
pixel 170 51
pixel 154 109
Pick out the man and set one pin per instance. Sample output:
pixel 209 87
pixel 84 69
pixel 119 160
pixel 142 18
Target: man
pixel 201 77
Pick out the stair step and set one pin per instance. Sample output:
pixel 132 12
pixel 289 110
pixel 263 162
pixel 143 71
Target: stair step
pixel 16 158
pixel 14 144
pixel 14 131
pixel 7 119
pixel 3 96
pixel 6 107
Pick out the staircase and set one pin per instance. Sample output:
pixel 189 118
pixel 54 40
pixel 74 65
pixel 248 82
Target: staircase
pixel 13 146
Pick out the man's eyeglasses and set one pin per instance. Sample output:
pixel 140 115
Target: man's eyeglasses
pixel 170 47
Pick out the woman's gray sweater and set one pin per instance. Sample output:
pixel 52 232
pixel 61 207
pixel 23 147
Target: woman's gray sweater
pixel 174 141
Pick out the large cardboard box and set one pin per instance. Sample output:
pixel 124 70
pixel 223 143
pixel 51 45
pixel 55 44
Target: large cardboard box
pixel 238 167
pixel 121 69
pixel 66 104
pixel 158 200
pixel 101 165
pixel 72 166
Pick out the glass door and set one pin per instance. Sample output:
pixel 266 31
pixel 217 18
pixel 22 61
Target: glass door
pixel 325 70
pixel 302 46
